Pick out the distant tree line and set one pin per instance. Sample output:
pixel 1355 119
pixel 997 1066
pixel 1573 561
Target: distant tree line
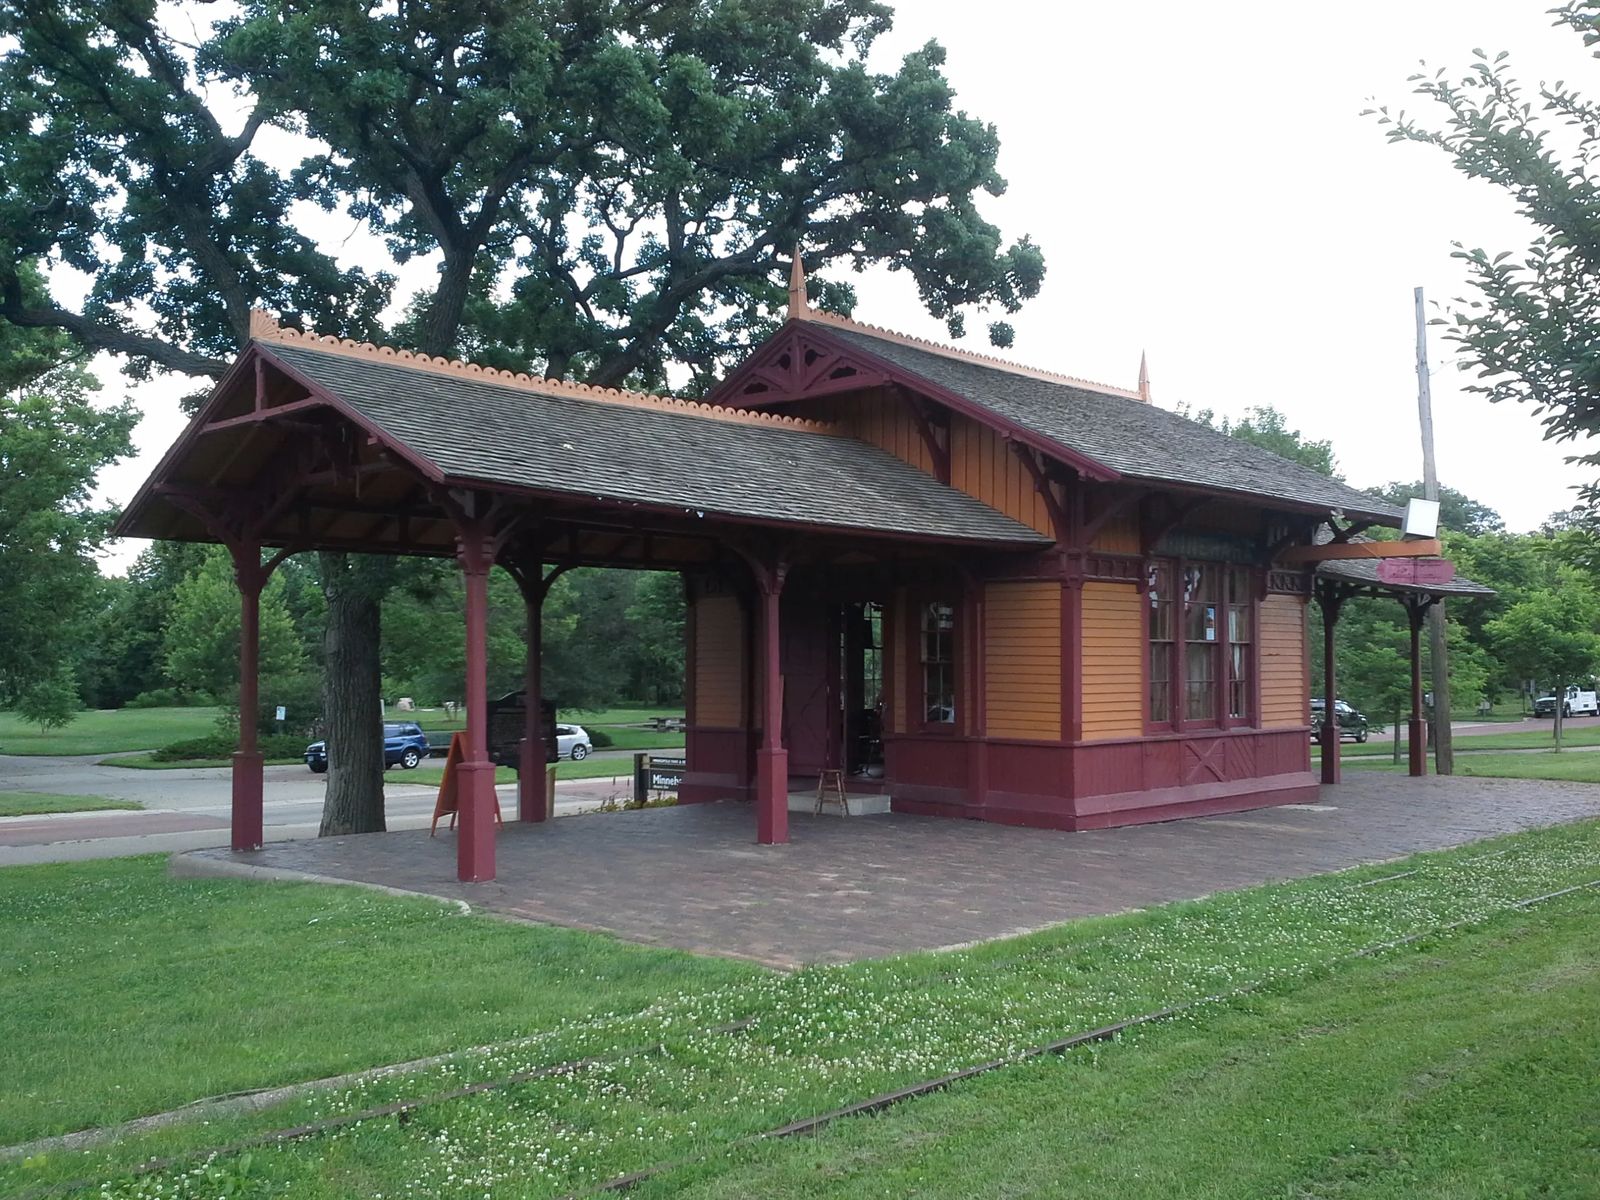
pixel 166 630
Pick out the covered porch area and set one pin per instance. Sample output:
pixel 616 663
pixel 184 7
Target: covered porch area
pixel 311 443
pixel 1338 581
pixel 689 877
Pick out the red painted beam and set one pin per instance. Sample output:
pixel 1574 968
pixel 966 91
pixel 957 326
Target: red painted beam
pixel 248 788
pixel 475 838
pixel 772 759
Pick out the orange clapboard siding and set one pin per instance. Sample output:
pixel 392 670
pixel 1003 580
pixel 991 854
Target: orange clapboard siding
pixel 1022 659
pixel 719 662
pixel 1113 658
pixel 982 465
pixel 1283 662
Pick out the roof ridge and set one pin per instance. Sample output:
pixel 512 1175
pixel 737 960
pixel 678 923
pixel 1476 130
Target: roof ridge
pixel 265 328
pixel 987 360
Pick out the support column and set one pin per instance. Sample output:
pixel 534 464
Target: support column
pixel 772 759
pixel 476 803
pixel 532 789
pixel 1417 727
pixel 1330 602
pixel 247 760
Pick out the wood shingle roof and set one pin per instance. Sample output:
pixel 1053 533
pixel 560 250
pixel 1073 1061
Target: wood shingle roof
pixel 479 427
pixel 1110 426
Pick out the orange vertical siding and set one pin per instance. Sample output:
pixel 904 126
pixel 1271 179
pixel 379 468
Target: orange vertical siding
pixel 719 674
pixel 1283 662
pixel 982 465
pixel 1113 661
pixel 1119 535
pixel 884 421
pixel 1022 659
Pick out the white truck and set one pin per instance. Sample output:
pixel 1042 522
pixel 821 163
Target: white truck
pixel 1577 703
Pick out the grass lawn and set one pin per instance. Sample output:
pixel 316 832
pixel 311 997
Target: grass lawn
pixel 22 804
pixel 623 738
pixel 1466 1071
pixel 1539 739
pixel 1578 767
pixel 124 991
pixel 435 718
pixel 129 991
pixel 107 731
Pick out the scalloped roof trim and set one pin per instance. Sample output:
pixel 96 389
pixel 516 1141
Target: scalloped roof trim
pixel 984 360
pixel 264 328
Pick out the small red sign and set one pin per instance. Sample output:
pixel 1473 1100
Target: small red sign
pixel 1418 572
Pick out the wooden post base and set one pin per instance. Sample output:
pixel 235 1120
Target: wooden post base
pixel 772 796
pixel 247 798
pixel 475 838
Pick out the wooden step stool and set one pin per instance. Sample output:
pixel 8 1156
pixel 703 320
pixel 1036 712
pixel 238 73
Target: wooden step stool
pixel 832 780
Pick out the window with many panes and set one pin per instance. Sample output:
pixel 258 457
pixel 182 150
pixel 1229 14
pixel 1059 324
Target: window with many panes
pixel 1201 635
pixel 1159 594
pixel 1201 645
pixel 1240 639
pixel 939 663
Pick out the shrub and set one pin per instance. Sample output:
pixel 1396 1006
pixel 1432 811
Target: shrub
pixel 222 745
pixel 157 698
pixel 600 739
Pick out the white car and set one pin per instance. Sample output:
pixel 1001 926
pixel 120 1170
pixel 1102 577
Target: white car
pixel 572 741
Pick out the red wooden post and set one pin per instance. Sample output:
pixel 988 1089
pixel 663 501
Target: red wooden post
pixel 247 776
pixel 475 841
pixel 772 759
pixel 1330 691
pixel 532 786
pixel 1417 727
pixel 978 705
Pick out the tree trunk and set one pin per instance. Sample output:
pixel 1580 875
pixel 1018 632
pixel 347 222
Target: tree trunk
pixel 352 686
pixel 442 323
pixel 1398 718
pixel 1561 704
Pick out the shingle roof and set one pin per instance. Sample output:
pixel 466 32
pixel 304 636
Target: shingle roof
pixel 474 428
pixel 1363 572
pixel 1135 439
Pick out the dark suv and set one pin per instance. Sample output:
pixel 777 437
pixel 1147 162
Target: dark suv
pixel 404 744
pixel 1352 724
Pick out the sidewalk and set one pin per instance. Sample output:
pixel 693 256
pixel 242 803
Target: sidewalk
pixel 77 836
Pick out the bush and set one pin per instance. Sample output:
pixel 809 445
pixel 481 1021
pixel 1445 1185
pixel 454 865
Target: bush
pixel 222 745
pixel 167 697
pixel 600 739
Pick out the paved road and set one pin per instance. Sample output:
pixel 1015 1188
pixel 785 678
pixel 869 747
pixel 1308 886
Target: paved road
pixel 189 809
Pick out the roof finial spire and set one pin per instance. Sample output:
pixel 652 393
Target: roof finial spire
pixel 263 324
pixel 1144 377
pixel 798 308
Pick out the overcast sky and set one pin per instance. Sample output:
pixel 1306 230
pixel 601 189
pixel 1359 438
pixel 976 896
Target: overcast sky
pixel 1205 189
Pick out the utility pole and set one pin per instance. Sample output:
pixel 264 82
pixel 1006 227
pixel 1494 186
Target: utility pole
pixel 1443 753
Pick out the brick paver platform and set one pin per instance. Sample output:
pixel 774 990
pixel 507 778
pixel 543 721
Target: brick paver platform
pixel 858 887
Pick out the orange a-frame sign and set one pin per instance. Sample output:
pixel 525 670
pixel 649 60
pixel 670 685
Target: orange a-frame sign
pixel 449 801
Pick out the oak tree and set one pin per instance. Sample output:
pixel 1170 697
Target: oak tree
pixel 604 186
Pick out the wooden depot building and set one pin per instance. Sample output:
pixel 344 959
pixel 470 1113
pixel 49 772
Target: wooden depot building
pixel 975 588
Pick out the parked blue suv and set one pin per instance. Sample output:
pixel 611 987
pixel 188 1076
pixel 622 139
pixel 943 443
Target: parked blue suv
pixel 403 744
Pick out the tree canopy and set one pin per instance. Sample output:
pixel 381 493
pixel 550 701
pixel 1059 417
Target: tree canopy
pixel 1457 510
pixel 604 186
pixel 1265 426
pixel 53 443
pixel 1531 328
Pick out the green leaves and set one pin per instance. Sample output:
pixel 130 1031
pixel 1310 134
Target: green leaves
pixel 1532 331
pixel 53 443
